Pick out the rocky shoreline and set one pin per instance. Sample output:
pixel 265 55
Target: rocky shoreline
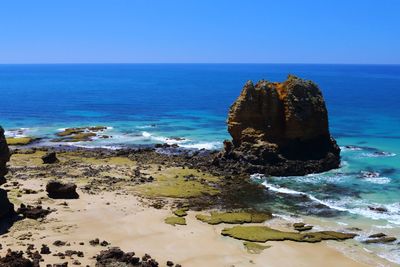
pixel 147 197
pixel 179 184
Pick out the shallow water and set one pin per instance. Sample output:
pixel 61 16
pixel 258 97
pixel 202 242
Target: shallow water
pixel 147 104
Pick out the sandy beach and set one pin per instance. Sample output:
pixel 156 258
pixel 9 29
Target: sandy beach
pixel 127 218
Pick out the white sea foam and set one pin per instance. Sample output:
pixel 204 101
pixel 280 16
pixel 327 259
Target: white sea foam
pixel 350 148
pixel 321 178
pixel 375 178
pixel 97 146
pixel 283 190
pixel 387 226
pixel 163 139
pixel 378 155
pixel 351 205
pixel 392 255
pixel 20 132
pixel 146 126
pixel 378 180
pixel 361 207
pixel 205 145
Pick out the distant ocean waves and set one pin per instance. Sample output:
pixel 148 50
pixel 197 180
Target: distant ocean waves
pixel 142 135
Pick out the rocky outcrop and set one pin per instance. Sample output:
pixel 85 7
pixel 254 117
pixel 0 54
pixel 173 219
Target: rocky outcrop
pixel 6 207
pixel 280 129
pixel 4 156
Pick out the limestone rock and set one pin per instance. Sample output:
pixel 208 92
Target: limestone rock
pixel 280 129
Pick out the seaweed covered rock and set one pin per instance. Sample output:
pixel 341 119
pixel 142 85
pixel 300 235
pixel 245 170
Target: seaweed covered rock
pixel 20 141
pixel 280 129
pixel 59 190
pixel 80 134
pixel 6 207
pixel 265 233
pixel 234 217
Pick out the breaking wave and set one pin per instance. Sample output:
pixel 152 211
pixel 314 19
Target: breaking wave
pixel 354 206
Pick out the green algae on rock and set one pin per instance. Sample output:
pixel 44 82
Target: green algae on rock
pixel 174 220
pixel 380 240
pixel 181 212
pixel 265 233
pixel 254 248
pixel 173 183
pixel 78 134
pixel 19 141
pixel 73 131
pixel 234 217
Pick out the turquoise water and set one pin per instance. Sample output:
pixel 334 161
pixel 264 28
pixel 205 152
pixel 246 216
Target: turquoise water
pixel 147 104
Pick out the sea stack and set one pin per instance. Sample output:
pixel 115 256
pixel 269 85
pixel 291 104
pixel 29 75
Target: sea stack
pixel 6 207
pixel 280 129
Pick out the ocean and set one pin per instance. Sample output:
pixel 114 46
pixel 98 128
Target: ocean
pixel 144 104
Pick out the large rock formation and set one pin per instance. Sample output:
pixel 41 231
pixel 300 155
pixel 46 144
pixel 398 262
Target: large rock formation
pixel 6 207
pixel 280 129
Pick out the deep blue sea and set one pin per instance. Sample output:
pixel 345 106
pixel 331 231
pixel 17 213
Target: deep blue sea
pixel 151 103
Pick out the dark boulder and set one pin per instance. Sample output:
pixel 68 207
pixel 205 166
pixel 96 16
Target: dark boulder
pixel 58 190
pixel 16 259
pixel 50 158
pixel 116 257
pixel 4 156
pixel 45 249
pixel 6 207
pixel 32 212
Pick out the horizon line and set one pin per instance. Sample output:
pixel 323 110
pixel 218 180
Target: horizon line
pixel 194 63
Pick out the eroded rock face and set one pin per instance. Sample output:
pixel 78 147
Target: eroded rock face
pixel 4 155
pixel 6 207
pixel 280 129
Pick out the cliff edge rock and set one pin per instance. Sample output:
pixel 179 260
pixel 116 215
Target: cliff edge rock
pixel 280 129
pixel 6 207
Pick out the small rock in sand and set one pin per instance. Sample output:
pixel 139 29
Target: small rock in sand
pixel 59 190
pixel 50 158
pixel 45 249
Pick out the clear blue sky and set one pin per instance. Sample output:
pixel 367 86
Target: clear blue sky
pixel 201 31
